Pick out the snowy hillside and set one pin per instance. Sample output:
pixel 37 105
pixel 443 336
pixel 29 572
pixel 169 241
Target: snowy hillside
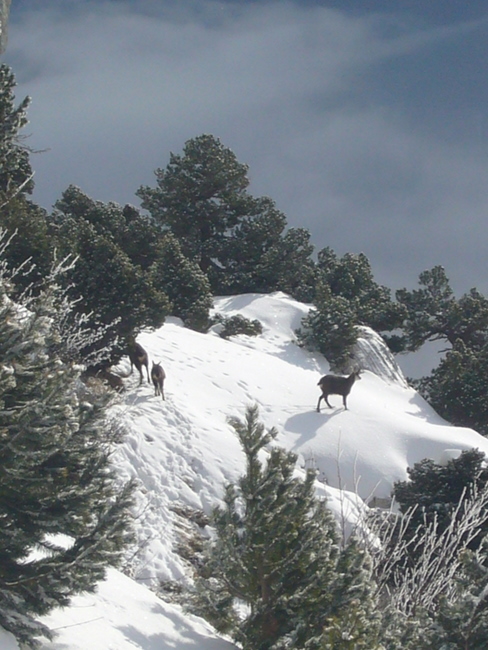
pixel 183 451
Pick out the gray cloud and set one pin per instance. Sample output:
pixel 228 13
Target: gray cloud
pixel 322 106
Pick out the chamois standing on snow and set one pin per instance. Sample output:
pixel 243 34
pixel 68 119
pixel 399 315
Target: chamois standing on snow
pixel 334 385
pixel 158 376
pixel 138 358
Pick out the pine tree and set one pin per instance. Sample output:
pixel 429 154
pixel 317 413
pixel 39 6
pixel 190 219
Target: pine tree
pixel 295 269
pixel 330 328
pixel 31 244
pixel 260 256
pixel 110 289
pixel 200 196
pixel 434 491
pixel 458 387
pixel 237 240
pixel 434 314
pixel 186 286
pixel 18 215
pixel 346 295
pixel 351 277
pixel 15 170
pixel 64 518
pixel 277 555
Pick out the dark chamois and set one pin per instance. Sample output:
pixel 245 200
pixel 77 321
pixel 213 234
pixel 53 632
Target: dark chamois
pixel 113 380
pixel 158 377
pixel 334 385
pixel 138 358
pixel 105 374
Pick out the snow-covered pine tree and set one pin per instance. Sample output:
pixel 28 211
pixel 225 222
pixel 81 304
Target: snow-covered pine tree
pixel 461 620
pixel 275 576
pixel 433 492
pixel 426 575
pixel 63 518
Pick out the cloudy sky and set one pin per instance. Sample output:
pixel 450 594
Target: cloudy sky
pixel 366 121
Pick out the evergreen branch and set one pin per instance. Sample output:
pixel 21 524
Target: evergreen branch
pixel 18 190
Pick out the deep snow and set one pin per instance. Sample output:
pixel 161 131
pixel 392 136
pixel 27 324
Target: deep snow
pixel 183 451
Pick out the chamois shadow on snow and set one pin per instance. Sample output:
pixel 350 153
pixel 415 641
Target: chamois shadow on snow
pixel 307 424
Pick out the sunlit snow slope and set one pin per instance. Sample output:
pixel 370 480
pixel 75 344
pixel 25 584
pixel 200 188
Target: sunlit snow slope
pixel 183 451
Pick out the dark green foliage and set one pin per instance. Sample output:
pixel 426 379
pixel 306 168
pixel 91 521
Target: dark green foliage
pixel 31 244
pixel 351 277
pixel 133 233
pixel 238 241
pixel 277 552
pixel 330 328
pixel 130 269
pixel 346 295
pixel 259 256
pixel 184 283
pixel 243 266
pixel 200 196
pixel 18 215
pixel 427 308
pixel 433 313
pixel 113 292
pixel 15 169
pixel 63 517
pixel 296 272
pixel 237 324
pixel 458 387
pixel 436 490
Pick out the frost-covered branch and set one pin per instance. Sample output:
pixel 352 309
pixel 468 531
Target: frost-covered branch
pixel 413 570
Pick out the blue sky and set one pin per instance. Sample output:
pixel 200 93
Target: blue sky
pixel 366 122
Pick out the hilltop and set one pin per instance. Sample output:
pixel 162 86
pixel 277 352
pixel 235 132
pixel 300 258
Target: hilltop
pixel 183 451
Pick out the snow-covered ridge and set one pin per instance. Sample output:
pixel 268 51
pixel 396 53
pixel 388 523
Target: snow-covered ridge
pixel 183 450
